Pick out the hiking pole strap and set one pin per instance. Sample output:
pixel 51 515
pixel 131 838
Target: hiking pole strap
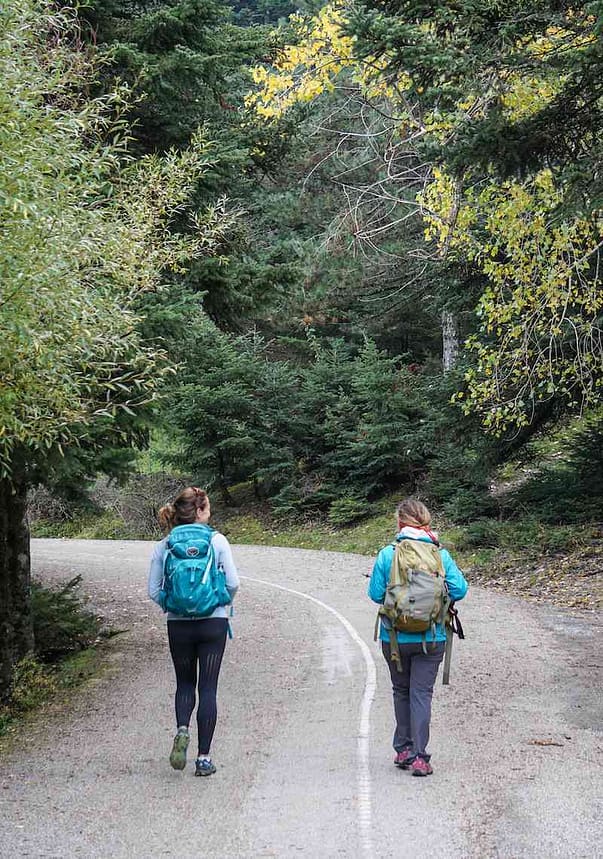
pixel 455 621
pixel 447 657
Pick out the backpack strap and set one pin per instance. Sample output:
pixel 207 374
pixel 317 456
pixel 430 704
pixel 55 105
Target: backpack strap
pixel 433 641
pixel 168 552
pixel 394 649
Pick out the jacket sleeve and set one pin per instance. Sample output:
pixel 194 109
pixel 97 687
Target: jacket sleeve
pixel 457 584
pixel 225 560
pixel 380 575
pixel 155 583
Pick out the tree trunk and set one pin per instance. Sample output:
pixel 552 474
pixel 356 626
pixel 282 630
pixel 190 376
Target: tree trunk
pixel 450 340
pixel 226 496
pixel 16 629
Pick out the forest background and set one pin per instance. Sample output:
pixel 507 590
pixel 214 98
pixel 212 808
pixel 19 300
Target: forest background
pixel 313 258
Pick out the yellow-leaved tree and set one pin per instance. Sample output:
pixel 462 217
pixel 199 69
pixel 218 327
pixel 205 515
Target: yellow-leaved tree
pixel 500 115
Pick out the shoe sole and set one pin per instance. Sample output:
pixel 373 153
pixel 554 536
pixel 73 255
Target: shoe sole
pixel 421 775
pixel 178 754
pixel 202 774
pixel 402 766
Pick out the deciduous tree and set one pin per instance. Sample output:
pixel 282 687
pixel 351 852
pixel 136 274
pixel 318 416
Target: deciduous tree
pixel 83 236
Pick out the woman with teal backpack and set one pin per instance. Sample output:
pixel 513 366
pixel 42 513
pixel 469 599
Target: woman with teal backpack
pixel 194 579
pixel 414 658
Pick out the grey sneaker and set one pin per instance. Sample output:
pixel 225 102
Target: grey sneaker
pixel 178 755
pixel 204 767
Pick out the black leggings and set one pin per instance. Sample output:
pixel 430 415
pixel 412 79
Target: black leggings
pixel 192 643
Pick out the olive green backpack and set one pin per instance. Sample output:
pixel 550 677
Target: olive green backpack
pixel 416 598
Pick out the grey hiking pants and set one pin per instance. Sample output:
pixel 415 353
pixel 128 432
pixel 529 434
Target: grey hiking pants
pixel 413 690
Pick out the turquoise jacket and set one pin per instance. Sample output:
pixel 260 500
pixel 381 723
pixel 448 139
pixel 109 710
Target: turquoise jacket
pixel 455 581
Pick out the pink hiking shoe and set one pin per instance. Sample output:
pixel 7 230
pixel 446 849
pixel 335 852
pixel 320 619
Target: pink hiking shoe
pixel 421 767
pixel 403 759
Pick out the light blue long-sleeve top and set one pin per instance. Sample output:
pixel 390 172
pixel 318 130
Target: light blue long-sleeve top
pixel 224 559
pixel 455 581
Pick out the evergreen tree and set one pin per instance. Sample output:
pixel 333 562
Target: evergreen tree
pixel 187 65
pixel 218 407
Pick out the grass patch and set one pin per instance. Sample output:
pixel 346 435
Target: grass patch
pixel 35 683
pixel 87 526
pixel 258 527
pixel 529 535
pixel 80 667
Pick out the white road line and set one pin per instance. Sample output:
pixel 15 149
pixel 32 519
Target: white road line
pixel 370 684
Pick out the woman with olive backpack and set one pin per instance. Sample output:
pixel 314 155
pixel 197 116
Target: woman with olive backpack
pixel 414 581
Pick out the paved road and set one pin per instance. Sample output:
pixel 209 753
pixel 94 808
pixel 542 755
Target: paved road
pixel 303 739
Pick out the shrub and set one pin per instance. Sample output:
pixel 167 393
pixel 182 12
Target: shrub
pixel 63 629
pixel 465 504
pixel 568 487
pixel 62 623
pixel 481 532
pixel 345 511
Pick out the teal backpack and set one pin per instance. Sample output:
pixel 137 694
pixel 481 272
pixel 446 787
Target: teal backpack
pixel 193 585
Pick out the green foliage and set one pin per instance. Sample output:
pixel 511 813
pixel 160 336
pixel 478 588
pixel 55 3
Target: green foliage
pixel 32 683
pixel 479 49
pixel 89 526
pixel 35 682
pixel 460 456
pixel 62 624
pixel 215 406
pixel 263 11
pixel 527 536
pixel 511 121
pixel 325 423
pixel 181 58
pixel 64 631
pixel 186 65
pixel 348 509
pixel 73 365
pixel 568 486
pixel 346 424
pixel 483 125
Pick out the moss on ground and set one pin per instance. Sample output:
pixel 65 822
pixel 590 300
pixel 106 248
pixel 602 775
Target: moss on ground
pixel 36 683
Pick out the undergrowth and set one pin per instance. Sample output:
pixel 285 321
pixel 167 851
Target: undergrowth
pixel 66 635
pixel 251 522
pixel 35 683
pixel 542 506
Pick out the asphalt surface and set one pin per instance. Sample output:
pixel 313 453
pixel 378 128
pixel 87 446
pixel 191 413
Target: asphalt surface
pixel 303 743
